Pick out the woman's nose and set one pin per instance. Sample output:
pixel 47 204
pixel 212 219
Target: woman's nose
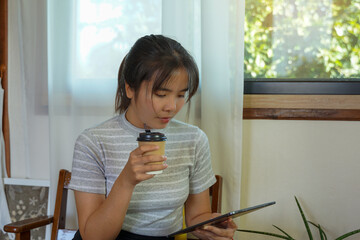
pixel 170 105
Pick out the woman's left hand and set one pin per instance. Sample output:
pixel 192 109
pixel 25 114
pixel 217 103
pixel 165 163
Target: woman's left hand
pixel 226 230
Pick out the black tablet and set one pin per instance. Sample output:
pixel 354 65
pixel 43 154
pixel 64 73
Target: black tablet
pixel 221 218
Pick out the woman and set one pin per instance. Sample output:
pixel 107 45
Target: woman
pixel 115 197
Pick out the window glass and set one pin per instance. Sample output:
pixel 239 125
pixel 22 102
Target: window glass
pixel 95 37
pixel 302 39
pixel 105 31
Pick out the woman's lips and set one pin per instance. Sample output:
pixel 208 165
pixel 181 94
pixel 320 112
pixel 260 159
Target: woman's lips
pixel 165 120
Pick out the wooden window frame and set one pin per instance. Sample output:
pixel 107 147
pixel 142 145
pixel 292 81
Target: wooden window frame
pixel 302 100
pixel 4 80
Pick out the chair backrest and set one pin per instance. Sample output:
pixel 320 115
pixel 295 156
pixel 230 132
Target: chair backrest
pixel 216 194
pixel 62 192
pixel 60 203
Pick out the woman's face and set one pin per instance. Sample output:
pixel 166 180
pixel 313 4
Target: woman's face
pixel 158 108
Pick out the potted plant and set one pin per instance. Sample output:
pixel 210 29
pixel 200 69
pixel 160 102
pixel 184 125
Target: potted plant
pixel 287 236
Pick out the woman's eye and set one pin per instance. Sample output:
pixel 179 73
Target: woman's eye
pixel 182 96
pixel 160 95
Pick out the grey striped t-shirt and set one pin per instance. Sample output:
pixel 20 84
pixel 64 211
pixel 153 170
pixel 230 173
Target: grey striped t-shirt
pixel 156 205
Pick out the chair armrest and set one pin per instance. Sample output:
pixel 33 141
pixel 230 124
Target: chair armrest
pixel 28 224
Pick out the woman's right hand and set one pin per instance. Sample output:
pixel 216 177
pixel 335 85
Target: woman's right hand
pixel 96 213
pixel 135 170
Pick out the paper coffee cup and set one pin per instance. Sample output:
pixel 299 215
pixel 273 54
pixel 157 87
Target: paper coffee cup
pixel 153 138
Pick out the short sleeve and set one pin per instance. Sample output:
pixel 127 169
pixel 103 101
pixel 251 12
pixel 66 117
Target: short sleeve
pixel 88 172
pixel 201 175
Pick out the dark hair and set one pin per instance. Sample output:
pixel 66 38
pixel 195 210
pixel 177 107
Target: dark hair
pixel 154 56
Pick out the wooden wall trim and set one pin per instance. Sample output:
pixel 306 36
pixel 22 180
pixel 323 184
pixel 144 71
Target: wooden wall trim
pixel 4 79
pixel 302 107
pixel 302 114
pixel 302 101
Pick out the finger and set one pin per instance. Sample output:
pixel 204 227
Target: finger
pixel 144 164
pixel 231 224
pixel 154 159
pixel 141 150
pixel 221 232
pixel 204 234
pixel 137 162
pixel 154 167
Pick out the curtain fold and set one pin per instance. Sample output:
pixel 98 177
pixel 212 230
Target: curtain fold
pixel 181 20
pixel 27 89
pixel 18 113
pixel 222 91
pixel 4 209
pixel 27 95
pixel 213 32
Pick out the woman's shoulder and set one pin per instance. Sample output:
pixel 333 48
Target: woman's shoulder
pixel 177 124
pixel 180 127
pixel 107 126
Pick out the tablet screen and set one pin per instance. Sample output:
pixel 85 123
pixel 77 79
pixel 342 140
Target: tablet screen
pixel 222 218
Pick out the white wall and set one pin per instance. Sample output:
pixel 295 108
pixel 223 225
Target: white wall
pixel 317 161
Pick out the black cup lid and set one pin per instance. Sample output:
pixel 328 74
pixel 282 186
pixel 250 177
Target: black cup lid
pixel 151 137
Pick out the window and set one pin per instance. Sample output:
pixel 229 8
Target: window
pixel 106 30
pixel 91 38
pixel 306 48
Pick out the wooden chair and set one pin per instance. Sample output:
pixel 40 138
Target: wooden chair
pixel 22 228
pixel 216 194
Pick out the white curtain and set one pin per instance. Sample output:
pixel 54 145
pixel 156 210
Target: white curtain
pixel 213 32
pixel 27 95
pixel 87 46
pixel 87 42
pixel 27 89
pixel 4 210
pixel 222 90
pixel 181 20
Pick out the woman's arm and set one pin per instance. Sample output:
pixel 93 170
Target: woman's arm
pixel 102 218
pixel 197 209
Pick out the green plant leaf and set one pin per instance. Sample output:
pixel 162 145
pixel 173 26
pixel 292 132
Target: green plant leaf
pixel 304 220
pixel 321 232
pixel 348 234
pixel 283 232
pixel 265 233
pixel 324 235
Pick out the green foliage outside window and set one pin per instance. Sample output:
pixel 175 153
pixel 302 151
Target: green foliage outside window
pixel 302 39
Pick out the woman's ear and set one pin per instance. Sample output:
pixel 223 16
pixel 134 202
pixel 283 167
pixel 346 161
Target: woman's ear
pixel 129 91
